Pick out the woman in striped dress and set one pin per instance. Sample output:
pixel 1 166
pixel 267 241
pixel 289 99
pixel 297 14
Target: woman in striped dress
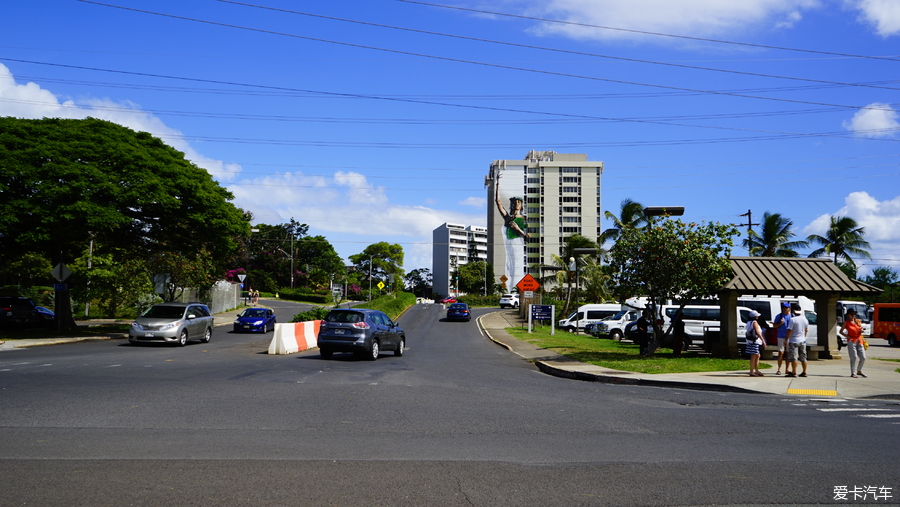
pixel 754 339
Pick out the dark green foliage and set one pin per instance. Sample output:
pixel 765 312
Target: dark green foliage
pixel 317 313
pixel 393 306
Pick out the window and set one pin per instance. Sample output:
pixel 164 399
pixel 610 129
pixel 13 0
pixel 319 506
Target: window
pixel 571 179
pixel 574 190
pixel 571 209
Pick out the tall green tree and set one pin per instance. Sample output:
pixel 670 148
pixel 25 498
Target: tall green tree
pixel 473 277
pixel 843 238
pixel 671 260
pixel 383 261
pixel 64 181
pixel 418 281
pixel 774 238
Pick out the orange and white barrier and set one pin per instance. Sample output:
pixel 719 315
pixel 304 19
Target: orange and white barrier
pixel 295 337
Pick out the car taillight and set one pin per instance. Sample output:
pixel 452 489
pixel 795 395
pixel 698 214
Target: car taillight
pixel 361 325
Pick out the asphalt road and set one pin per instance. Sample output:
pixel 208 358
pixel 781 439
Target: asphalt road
pixel 457 420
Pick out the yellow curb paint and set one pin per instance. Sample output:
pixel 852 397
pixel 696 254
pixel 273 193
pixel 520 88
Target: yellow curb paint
pixel 817 392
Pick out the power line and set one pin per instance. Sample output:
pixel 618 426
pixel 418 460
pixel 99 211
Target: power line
pixel 460 60
pixel 555 50
pixel 657 34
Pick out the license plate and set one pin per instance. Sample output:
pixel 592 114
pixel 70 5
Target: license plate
pixel 338 331
pixel 148 335
pixel 246 326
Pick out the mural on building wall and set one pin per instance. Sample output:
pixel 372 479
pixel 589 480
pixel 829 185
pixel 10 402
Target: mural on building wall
pixel 509 197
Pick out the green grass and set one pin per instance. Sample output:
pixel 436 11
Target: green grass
pixel 894 360
pixel 625 356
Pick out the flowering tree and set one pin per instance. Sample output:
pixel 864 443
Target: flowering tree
pixel 670 259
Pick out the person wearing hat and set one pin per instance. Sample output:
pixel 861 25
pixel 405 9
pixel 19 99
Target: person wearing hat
pixel 754 338
pixel 796 342
pixel 852 329
pixel 781 324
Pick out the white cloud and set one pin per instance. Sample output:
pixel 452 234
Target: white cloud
pixel 475 202
pixel 31 101
pixel 875 120
pixel 881 220
pixel 884 15
pixel 697 18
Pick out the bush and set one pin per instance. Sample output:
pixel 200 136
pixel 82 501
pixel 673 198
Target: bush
pixel 393 306
pixel 305 295
pixel 317 313
pixel 479 300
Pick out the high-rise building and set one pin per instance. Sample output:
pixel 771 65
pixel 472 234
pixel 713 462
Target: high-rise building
pixel 454 245
pixel 534 205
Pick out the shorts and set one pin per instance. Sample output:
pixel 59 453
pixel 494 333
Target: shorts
pixel 781 344
pixel 796 349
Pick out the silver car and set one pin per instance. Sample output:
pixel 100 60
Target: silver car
pixel 175 323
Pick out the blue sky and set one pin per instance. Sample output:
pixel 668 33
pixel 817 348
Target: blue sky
pixel 377 120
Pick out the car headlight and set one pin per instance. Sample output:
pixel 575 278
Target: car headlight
pixel 237 322
pixel 257 323
pixel 170 325
pixel 136 326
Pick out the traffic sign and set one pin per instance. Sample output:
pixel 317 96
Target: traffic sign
pixel 61 272
pixel 241 277
pixel 541 312
pixel 528 283
pixel 380 285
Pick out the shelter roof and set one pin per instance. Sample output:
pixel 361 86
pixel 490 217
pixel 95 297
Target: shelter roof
pixel 792 276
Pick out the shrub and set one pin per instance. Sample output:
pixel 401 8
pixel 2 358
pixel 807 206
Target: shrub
pixel 317 313
pixel 393 306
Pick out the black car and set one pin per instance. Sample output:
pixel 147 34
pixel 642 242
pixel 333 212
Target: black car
pixel 361 331
pixel 22 312
pixel 459 311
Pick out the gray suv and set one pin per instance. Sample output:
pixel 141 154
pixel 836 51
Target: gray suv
pixel 175 323
pixel 363 332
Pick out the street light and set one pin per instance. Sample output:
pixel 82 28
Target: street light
pixel 658 211
pixel 573 260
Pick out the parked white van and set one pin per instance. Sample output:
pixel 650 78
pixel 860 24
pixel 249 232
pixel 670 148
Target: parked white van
pixel 588 314
pixel 614 325
pixel 699 318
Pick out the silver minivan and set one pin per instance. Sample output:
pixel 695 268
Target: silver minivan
pixel 175 323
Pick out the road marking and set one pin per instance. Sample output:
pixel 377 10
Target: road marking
pixel 880 416
pixel 851 409
pixel 818 392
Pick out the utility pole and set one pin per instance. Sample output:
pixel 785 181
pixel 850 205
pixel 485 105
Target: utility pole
pixel 749 224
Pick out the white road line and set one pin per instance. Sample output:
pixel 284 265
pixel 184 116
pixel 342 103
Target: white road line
pixel 880 416
pixel 852 409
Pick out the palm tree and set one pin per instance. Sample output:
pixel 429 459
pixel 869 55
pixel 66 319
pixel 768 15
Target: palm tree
pixel 843 238
pixel 631 214
pixel 774 239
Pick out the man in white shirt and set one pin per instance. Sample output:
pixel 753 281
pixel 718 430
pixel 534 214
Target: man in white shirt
pixel 796 342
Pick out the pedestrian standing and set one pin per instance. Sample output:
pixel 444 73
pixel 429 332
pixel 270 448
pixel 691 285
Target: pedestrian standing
pixel 643 327
pixel 796 341
pixel 781 324
pixel 255 297
pixel 678 333
pixel 852 329
pixel 754 338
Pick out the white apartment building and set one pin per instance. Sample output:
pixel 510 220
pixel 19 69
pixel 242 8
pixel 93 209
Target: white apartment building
pixel 454 245
pixel 536 203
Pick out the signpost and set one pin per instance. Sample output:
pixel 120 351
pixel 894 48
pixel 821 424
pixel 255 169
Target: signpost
pixel 61 306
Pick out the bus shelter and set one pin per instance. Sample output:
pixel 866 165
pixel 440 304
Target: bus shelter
pixel 819 279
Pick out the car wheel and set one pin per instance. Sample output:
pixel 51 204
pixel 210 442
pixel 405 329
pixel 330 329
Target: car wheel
pixel 615 335
pixel 892 340
pixel 183 338
pixel 207 336
pixel 400 346
pixel 516 305
pixel 373 353
pixel 325 353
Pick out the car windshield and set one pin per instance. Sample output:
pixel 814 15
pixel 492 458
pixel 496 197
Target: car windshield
pixel 254 312
pixel 164 312
pixel 458 306
pixel 617 316
pixel 861 312
pixel 345 316
pixel 507 296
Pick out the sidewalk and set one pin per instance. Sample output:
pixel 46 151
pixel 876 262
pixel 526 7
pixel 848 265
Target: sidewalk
pixel 219 319
pixel 827 377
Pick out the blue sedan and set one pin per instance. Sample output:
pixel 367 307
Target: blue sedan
pixel 255 319
pixel 458 311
